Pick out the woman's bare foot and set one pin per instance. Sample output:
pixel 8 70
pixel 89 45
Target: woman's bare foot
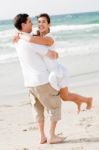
pixel 78 107
pixel 88 103
pixel 43 140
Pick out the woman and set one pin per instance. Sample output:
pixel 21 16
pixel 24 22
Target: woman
pixel 58 74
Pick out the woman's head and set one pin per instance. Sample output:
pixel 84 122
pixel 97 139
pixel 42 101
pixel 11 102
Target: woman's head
pixel 44 23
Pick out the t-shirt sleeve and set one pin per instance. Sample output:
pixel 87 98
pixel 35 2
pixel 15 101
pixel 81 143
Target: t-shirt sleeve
pixel 39 49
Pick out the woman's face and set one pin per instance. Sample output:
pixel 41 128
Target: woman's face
pixel 43 25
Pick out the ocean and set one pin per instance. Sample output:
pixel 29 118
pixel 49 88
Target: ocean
pixel 76 34
pixel 77 38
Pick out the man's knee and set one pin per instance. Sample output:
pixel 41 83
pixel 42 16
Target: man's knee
pixel 55 114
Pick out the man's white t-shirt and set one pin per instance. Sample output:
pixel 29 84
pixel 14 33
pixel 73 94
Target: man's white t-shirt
pixel 34 69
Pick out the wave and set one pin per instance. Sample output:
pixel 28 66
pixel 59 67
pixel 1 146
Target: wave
pixel 63 48
pixel 7 33
pixel 59 28
pixel 8 58
pixel 93 21
pixel 68 48
pixel 71 45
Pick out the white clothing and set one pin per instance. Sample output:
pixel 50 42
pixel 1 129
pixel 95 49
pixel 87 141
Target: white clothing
pixel 33 66
pixel 58 77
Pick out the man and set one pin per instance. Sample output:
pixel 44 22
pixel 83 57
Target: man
pixel 36 74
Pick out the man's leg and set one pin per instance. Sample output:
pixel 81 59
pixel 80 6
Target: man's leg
pixel 52 128
pixel 50 99
pixel 40 121
pixel 43 138
pixel 53 138
pixel 38 115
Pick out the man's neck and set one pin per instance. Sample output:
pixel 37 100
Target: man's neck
pixel 24 31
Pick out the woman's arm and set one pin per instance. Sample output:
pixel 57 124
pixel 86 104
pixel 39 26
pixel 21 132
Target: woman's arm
pixel 37 39
pixel 41 40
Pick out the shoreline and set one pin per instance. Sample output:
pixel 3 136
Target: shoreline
pixel 18 131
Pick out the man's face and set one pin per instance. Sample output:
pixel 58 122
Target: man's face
pixel 43 25
pixel 27 27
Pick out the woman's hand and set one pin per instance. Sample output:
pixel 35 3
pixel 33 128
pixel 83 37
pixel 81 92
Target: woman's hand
pixel 52 54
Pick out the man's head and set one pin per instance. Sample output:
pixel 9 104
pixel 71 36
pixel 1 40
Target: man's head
pixel 44 23
pixel 23 23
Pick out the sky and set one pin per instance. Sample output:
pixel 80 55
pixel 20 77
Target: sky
pixel 10 8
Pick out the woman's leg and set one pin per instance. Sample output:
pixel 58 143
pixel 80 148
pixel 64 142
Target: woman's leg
pixel 77 99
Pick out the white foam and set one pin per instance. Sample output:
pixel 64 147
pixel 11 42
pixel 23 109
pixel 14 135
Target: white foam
pixel 8 58
pixel 73 27
pixel 76 48
pixel 7 33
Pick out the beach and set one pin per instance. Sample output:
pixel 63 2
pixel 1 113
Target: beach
pixel 77 38
pixel 18 131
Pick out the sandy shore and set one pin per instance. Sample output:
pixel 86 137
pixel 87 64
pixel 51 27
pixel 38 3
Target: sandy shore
pixel 18 130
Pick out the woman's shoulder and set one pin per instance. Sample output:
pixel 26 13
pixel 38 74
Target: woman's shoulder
pixel 49 35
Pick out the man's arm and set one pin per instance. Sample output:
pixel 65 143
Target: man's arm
pixel 49 53
pixel 15 38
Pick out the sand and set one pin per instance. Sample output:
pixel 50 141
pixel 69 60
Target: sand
pixel 18 131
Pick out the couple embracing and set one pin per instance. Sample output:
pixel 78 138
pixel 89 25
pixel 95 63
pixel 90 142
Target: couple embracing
pixel 46 79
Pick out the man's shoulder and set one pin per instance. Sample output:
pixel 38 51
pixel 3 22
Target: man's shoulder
pixel 28 45
pixel 22 44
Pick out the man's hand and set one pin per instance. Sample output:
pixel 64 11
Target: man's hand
pixel 16 38
pixel 52 54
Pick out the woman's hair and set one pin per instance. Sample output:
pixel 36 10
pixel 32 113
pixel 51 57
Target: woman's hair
pixel 46 16
pixel 19 19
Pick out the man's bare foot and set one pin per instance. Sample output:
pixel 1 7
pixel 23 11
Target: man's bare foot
pixel 43 140
pixel 55 140
pixel 89 103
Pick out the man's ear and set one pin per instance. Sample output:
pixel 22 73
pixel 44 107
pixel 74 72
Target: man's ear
pixel 49 25
pixel 23 24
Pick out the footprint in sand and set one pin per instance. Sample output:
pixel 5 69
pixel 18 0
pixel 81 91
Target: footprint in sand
pixel 23 149
pixel 30 129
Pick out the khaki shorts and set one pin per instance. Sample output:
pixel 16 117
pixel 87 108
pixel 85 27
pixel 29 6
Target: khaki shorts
pixel 44 96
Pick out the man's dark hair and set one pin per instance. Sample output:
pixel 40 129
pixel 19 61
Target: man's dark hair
pixel 19 19
pixel 46 16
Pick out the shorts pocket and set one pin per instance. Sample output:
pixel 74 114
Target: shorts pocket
pixel 32 98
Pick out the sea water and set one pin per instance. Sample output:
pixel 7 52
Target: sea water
pixel 75 34
pixel 77 38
